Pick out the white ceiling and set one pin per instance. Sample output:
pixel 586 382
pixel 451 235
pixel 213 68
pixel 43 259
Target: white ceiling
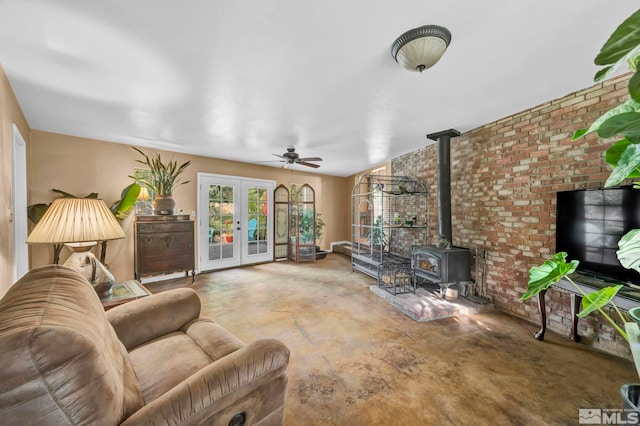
pixel 243 80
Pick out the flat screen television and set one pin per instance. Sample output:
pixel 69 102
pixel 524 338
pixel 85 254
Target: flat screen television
pixel 590 223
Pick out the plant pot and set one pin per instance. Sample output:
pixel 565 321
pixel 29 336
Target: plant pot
pixel 164 205
pixel 630 396
pixel 320 254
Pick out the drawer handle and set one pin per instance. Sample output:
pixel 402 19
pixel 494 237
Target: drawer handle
pixel 167 241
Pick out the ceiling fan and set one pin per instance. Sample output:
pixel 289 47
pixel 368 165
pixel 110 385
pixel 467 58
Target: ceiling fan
pixel 292 157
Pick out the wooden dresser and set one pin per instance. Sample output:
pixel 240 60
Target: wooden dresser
pixel 163 244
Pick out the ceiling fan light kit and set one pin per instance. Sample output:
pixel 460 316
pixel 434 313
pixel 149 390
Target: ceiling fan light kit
pixel 420 48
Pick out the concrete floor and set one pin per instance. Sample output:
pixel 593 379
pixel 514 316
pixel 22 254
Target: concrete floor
pixel 356 360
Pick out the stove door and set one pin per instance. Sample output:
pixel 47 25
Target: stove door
pixel 426 265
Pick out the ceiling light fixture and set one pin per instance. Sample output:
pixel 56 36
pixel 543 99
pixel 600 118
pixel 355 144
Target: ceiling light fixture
pixel 420 48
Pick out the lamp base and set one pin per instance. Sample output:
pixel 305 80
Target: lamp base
pixel 85 262
pixel 103 289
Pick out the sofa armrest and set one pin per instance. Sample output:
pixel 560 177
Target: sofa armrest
pixel 145 319
pixel 212 392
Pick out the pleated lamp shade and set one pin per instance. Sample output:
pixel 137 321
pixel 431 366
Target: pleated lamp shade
pixel 144 194
pixel 75 220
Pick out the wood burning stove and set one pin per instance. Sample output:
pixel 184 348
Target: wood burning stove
pixel 443 266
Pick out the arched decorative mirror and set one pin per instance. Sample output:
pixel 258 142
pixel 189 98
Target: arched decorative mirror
pixel 302 219
pixel 281 222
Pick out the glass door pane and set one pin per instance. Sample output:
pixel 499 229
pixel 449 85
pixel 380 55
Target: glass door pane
pixel 257 221
pixel 258 209
pixel 221 222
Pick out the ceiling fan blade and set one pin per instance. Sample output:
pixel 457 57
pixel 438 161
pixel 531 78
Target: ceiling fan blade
pixel 279 156
pixel 310 159
pixel 270 161
pixel 304 163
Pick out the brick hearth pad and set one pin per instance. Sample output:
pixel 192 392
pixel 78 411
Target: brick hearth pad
pixel 427 305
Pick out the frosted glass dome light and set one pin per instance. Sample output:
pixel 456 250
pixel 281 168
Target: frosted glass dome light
pixel 420 48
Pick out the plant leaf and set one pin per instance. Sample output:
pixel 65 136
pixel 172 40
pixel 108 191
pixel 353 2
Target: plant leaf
pixel 604 73
pixel 629 106
pixel 579 133
pixel 65 194
pixel 627 124
pixel 629 250
pixel 128 200
pixel 614 152
pixel 550 272
pixel 623 40
pixel 626 166
pixel 36 211
pixel 634 87
pixel 630 58
pixel 69 195
pixel 622 47
pixel 598 299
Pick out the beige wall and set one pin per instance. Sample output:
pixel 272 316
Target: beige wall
pixel 10 113
pixel 81 166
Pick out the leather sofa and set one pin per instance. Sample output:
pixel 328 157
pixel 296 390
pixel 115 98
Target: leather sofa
pixel 150 361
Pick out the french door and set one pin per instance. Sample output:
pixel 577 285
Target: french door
pixel 235 223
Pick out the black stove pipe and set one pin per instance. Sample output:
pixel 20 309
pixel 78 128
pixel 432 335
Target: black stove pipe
pixel 444 181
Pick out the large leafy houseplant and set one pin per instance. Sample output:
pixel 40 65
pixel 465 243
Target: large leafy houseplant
pixel 623 121
pixel 319 228
pixel 310 230
pixel 541 277
pixel 163 177
pixel 378 237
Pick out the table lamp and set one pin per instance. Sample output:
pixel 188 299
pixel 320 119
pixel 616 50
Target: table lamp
pixel 143 204
pixel 80 223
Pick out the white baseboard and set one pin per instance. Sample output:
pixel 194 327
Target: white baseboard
pixel 335 243
pixel 159 278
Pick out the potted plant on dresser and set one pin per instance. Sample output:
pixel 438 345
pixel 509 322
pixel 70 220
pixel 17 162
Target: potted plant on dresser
pixel 162 180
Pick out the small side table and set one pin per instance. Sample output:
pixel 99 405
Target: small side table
pixel 124 292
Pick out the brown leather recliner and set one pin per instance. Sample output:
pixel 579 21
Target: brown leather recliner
pixel 151 361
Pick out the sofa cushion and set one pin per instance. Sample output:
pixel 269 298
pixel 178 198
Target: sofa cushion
pixel 64 356
pixel 180 354
pixel 143 320
pixel 213 338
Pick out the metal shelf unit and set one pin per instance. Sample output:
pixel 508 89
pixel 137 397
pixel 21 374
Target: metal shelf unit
pixel 388 217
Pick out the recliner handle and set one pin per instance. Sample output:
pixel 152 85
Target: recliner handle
pixel 239 419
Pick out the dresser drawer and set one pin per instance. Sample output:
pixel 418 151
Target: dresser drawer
pixel 165 265
pixel 154 228
pixel 165 244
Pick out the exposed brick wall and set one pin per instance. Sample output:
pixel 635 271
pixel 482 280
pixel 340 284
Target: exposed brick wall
pixel 504 177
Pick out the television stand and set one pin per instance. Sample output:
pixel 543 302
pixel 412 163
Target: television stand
pixel 576 300
pixel 627 298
